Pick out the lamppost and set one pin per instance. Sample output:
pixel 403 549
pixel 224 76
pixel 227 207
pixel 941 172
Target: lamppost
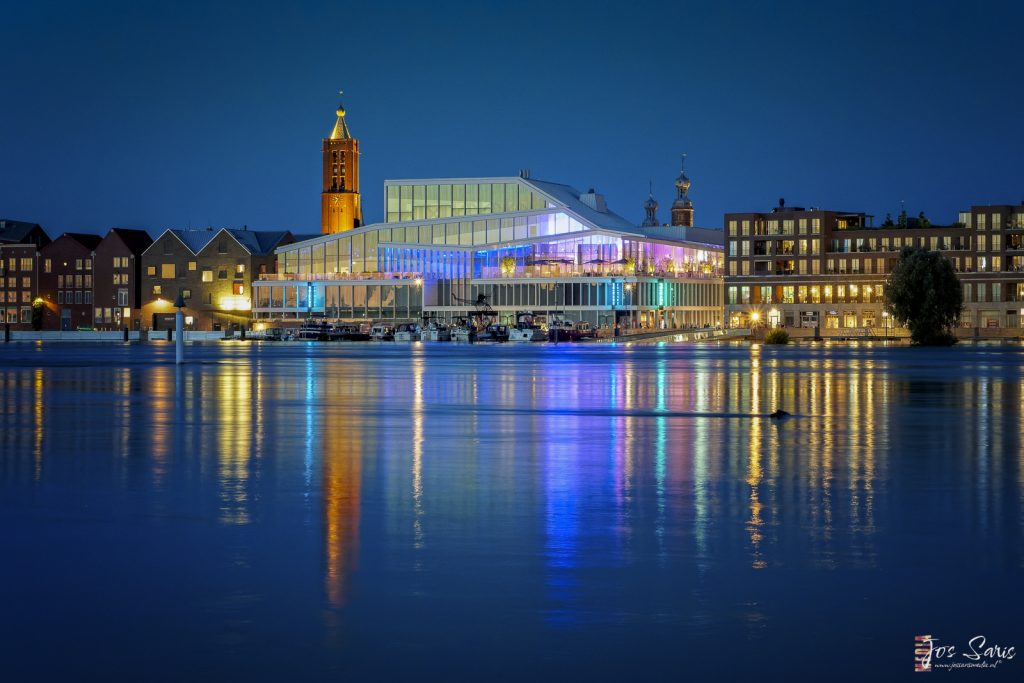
pixel 179 331
pixel 885 322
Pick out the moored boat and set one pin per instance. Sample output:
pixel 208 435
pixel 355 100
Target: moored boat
pixel 350 333
pixel 381 332
pixel 527 331
pixel 407 332
pixel 436 331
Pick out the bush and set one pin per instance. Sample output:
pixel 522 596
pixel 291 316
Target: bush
pixel 776 336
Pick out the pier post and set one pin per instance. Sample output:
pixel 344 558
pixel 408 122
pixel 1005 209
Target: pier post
pixel 7 332
pixel 124 331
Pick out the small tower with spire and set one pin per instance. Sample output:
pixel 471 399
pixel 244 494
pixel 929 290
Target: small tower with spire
pixel 650 209
pixel 339 200
pixel 682 207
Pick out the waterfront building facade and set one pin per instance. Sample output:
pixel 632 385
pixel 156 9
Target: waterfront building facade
pixel 66 281
pixel 212 270
pixel 117 279
pixel 451 248
pixel 20 242
pixel 810 268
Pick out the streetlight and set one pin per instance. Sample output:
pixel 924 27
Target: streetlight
pixel 179 331
pixel 885 318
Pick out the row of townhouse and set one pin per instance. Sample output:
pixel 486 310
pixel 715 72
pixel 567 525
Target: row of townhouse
pixel 126 279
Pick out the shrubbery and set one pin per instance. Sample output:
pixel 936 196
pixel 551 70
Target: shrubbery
pixel 776 336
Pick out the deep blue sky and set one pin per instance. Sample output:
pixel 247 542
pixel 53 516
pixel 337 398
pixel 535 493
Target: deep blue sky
pixel 163 114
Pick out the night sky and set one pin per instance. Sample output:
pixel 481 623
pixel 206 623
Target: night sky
pixel 172 114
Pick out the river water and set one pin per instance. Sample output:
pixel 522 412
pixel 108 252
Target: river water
pixel 383 512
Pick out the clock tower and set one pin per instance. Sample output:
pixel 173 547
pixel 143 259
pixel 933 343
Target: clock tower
pixel 339 201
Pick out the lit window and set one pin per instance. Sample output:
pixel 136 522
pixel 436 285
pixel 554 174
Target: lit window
pixel 207 276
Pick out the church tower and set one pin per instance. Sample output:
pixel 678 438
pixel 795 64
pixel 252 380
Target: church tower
pixel 682 207
pixel 650 211
pixel 339 201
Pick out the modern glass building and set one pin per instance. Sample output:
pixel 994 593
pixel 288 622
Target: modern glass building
pixel 524 245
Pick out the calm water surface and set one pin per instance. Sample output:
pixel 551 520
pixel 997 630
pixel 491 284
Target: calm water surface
pixel 382 512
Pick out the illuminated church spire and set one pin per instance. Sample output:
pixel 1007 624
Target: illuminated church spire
pixel 340 131
pixel 682 207
pixel 650 209
pixel 339 200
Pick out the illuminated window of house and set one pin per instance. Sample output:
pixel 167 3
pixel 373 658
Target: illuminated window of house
pixel 240 270
pixel 207 276
pixel 157 289
pixel 167 271
pixel 151 270
pixel 191 265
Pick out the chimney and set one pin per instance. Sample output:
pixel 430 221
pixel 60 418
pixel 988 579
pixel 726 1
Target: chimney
pixel 524 173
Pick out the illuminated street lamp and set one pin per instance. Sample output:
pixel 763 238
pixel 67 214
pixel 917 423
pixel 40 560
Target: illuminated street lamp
pixel 179 331
pixel 755 317
pixel 885 318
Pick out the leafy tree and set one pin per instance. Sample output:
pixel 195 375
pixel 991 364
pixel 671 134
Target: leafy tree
pixel 776 336
pixel 38 308
pixel 887 223
pixel 923 294
pixel 923 222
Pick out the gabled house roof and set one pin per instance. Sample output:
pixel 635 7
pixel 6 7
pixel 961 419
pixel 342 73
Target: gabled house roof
pixel 137 241
pixel 87 240
pixel 19 232
pixel 256 242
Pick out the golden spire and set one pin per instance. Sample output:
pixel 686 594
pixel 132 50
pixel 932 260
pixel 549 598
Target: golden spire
pixel 340 131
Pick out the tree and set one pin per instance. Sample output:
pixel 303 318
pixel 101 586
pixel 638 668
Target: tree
pixel 888 221
pixel 38 308
pixel 923 294
pixel 923 222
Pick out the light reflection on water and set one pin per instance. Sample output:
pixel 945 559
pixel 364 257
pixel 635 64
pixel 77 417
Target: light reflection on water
pixel 457 505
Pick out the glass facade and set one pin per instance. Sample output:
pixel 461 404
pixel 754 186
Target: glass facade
pixel 536 254
pixel 414 201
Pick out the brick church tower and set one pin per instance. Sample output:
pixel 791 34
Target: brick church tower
pixel 682 207
pixel 339 201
